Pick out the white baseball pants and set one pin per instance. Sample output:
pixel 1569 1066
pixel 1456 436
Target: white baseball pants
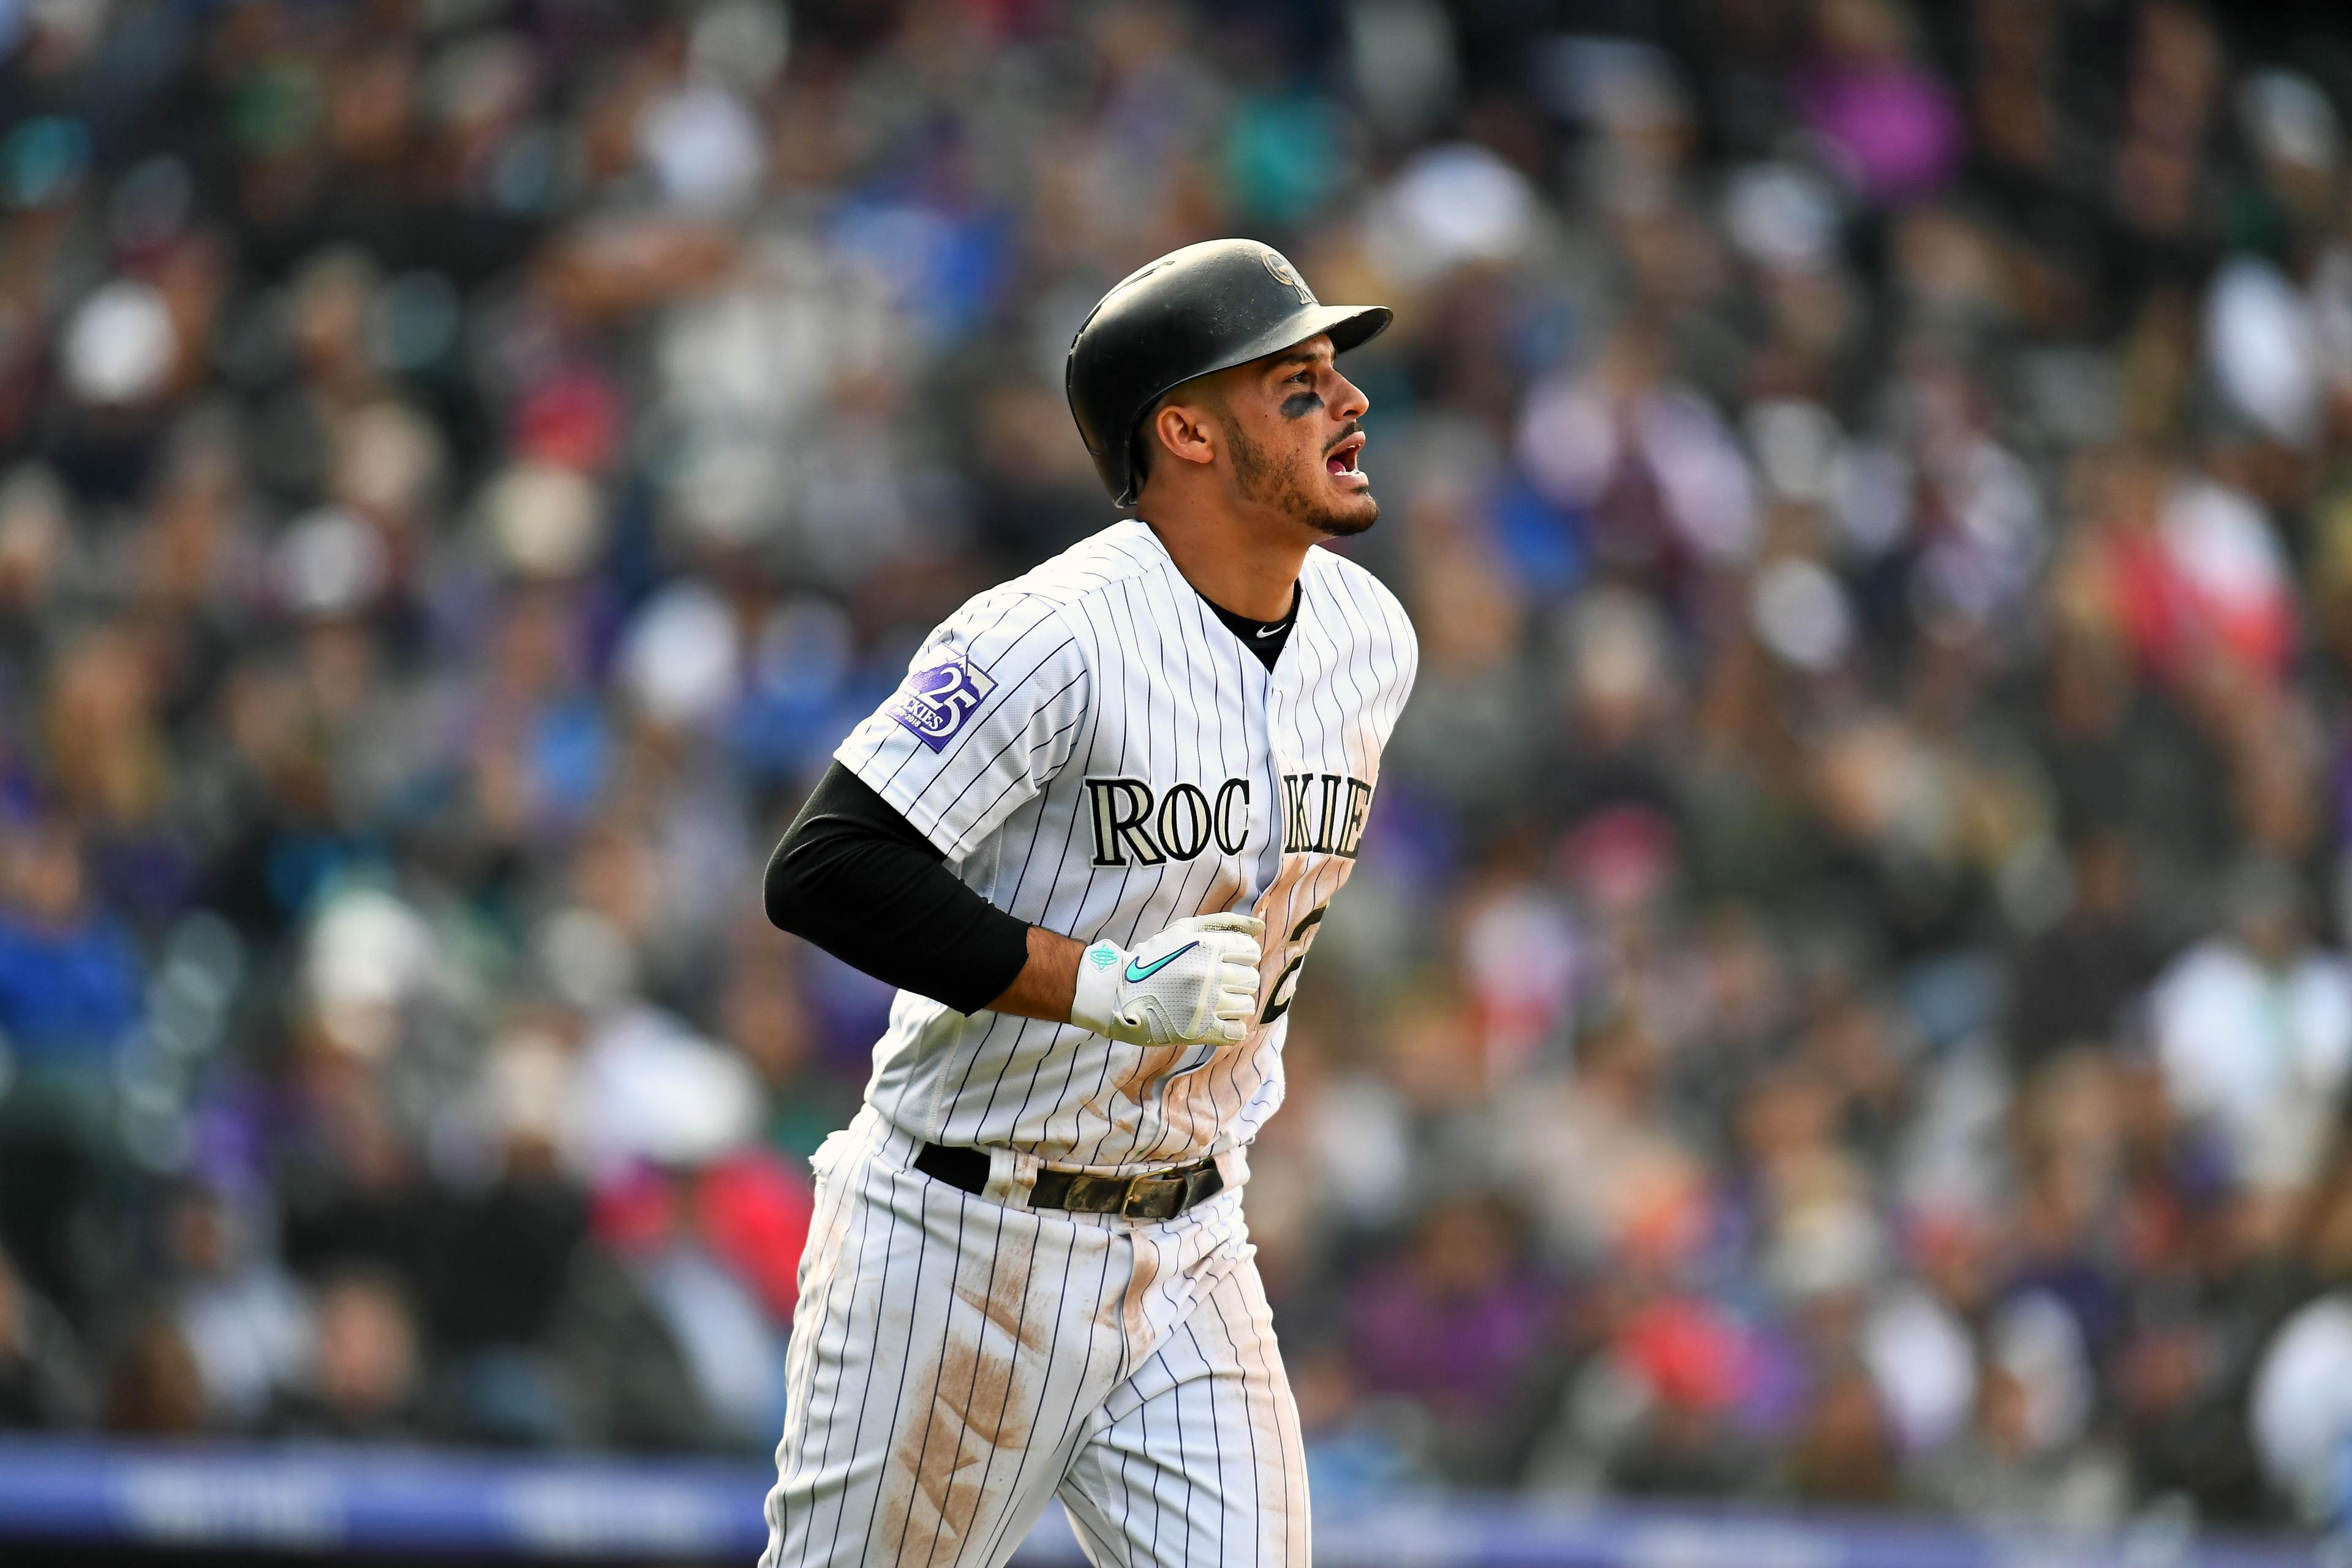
pixel 957 1361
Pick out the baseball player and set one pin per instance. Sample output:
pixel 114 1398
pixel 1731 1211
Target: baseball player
pixel 1090 838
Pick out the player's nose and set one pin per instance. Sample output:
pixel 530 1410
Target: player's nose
pixel 1351 403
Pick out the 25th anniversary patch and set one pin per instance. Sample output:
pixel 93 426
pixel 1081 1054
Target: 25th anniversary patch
pixel 933 704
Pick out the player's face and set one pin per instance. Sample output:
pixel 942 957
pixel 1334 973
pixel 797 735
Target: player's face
pixel 1296 437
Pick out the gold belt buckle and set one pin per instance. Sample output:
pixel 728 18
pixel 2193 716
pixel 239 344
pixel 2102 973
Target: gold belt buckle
pixel 1155 1189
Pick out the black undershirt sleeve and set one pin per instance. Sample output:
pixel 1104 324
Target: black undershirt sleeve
pixel 859 880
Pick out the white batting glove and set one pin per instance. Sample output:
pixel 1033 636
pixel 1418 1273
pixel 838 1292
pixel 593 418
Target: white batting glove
pixel 1194 984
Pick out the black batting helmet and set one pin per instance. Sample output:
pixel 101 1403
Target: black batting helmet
pixel 1207 307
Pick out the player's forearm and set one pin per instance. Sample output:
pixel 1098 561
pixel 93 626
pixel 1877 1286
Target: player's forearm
pixel 854 879
pixel 1046 983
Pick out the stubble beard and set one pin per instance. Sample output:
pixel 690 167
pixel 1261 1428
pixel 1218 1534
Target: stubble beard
pixel 1285 490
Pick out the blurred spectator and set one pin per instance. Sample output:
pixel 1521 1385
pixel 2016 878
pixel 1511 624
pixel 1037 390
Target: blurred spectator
pixel 2254 1031
pixel 2303 1413
pixel 2075 980
pixel 362 1383
pixel 155 1389
pixel 69 974
pixel 41 1377
pixel 242 1319
pixel 1892 123
pixel 493 1287
pixel 1450 1324
pixel 1656 1415
pixel 1352 1450
pixel 1843 1453
pixel 2000 1471
pixel 716 1259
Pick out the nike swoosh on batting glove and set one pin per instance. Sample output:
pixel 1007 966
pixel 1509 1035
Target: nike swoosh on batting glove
pixel 1194 984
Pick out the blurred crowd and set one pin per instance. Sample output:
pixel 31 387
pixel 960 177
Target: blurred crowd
pixel 1845 997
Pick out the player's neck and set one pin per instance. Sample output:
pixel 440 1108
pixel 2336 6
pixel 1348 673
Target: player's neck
pixel 1236 562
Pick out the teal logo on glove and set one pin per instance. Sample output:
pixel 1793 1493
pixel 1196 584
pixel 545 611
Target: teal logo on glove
pixel 1102 955
pixel 1140 972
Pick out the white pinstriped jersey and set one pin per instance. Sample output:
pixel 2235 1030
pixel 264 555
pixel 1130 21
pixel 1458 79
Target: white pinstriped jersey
pixel 1096 752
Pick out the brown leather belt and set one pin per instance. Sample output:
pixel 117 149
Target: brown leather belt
pixel 1155 1195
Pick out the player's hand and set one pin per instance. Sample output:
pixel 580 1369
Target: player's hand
pixel 1194 984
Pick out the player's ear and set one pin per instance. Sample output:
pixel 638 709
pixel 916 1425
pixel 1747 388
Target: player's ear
pixel 1186 431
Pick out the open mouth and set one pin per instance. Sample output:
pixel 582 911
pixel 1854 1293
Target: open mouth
pixel 1342 457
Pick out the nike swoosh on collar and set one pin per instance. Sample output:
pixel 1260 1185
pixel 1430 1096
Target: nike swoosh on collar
pixel 1136 970
pixel 1269 631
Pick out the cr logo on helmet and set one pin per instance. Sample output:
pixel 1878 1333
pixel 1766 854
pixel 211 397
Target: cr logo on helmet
pixel 1288 276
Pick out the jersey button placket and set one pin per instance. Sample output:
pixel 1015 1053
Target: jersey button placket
pixel 1267 871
